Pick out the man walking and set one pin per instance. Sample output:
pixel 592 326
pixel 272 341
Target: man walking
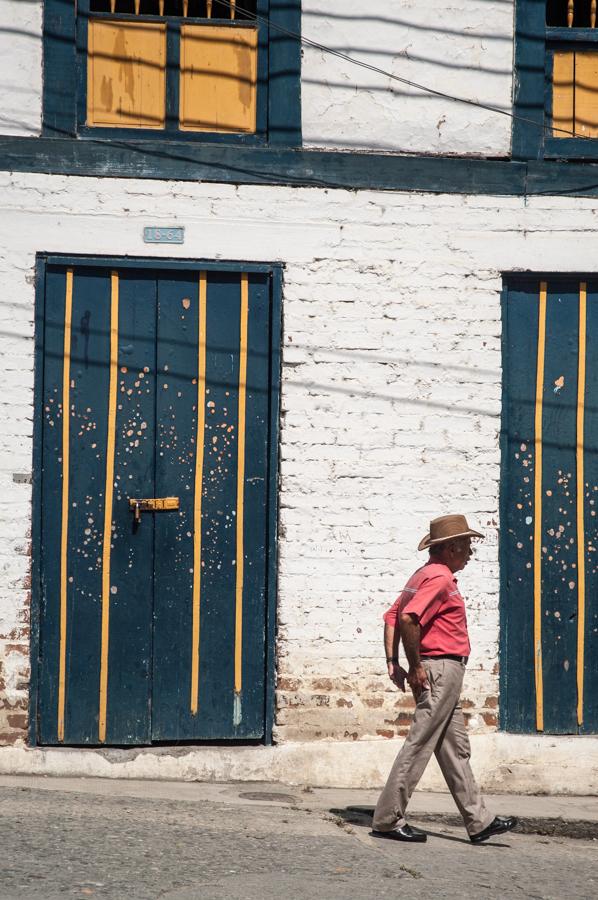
pixel 429 617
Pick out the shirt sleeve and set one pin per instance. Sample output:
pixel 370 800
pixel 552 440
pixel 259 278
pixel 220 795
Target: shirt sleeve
pixel 428 600
pixel 391 615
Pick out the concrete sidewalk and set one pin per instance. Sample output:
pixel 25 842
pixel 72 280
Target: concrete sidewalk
pixel 574 817
pixel 113 839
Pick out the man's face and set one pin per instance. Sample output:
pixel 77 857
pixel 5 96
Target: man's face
pixel 460 552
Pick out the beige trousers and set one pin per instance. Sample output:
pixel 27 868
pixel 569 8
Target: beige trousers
pixel 438 727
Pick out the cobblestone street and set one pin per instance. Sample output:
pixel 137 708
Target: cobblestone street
pixel 122 843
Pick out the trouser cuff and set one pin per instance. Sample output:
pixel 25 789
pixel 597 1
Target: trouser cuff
pixel 388 826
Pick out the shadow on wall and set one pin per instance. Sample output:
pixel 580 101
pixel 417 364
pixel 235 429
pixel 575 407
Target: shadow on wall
pixel 428 46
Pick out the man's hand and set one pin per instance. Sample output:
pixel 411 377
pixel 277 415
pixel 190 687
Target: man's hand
pixel 417 680
pixel 397 675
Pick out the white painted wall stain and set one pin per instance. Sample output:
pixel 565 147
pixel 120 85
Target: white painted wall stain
pixel 461 47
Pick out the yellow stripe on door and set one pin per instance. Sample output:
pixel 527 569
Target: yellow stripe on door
pixel 66 418
pixel 240 560
pixel 538 509
pixel 581 563
pixel 108 498
pixel 199 461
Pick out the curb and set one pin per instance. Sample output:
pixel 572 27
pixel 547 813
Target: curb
pixel 581 829
pixel 570 828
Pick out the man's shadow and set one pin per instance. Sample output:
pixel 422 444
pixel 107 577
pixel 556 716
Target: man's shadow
pixel 361 816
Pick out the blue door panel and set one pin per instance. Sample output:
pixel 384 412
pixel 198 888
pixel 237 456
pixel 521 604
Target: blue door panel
pixel 176 416
pixel 51 401
pixel 520 356
pixel 559 532
pixel 72 655
pixel 128 719
pixel 215 713
pixel 255 508
pixel 180 648
pixel 87 483
pixel 590 660
pixel 219 501
pixel 549 684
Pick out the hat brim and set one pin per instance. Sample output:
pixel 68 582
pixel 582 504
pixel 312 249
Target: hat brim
pixel 426 542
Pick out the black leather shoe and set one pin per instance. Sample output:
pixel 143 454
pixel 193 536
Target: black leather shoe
pixel 403 833
pixel 499 825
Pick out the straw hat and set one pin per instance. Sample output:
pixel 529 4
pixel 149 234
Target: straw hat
pixel 445 528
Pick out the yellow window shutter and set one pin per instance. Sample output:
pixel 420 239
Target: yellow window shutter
pixel 586 93
pixel 218 79
pixel 563 77
pixel 126 74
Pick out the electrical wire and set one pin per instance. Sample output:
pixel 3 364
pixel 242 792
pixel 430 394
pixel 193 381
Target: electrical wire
pixel 406 81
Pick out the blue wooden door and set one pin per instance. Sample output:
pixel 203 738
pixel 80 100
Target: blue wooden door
pixel 549 507
pixel 153 614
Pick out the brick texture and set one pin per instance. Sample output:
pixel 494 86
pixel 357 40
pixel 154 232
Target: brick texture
pixel 390 405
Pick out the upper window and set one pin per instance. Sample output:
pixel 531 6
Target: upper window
pixel 209 50
pixel 572 49
pixel 556 85
pixel 185 69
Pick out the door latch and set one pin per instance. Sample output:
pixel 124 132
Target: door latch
pixel 151 504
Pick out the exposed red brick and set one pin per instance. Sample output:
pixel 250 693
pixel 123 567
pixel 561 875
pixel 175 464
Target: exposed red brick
pixel 322 684
pixel 467 704
pixel 321 699
pixel 406 702
pixel 293 702
pixel 13 635
pixel 18 635
pixel 21 703
pixel 23 649
pixel 385 733
pixel 489 718
pixel 373 702
pixel 491 702
pixel 342 702
pixel 404 719
pixel 18 720
pixel 288 684
pixel 24 614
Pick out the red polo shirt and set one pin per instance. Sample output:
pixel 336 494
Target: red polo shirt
pixel 432 596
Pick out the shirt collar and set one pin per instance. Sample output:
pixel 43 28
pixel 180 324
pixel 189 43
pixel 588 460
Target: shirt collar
pixel 433 562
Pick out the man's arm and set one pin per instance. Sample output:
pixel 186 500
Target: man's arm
pixel 391 648
pixel 410 633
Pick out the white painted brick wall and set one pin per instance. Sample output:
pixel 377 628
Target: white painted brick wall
pixel 462 47
pixel 390 401
pixel 20 66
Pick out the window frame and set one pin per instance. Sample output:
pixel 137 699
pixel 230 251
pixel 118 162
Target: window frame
pixel 535 42
pixel 65 78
